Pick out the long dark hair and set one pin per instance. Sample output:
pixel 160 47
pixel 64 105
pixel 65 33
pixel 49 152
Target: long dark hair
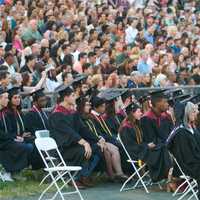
pixel 110 108
pixel 10 106
pixel 81 106
pixel 135 124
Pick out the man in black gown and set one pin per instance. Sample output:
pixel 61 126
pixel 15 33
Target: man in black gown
pixel 36 118
pixel 69 134
pixel 156 126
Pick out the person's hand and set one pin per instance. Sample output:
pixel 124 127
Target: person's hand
pixel 19 139
pixel 27 134
pixel 88 150
pixel 101 145
pixel 151 145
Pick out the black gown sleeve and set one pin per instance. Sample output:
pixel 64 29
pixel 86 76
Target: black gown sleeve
pixel 128 137
pixel 149 131
pixel 61 130
pixel 84 131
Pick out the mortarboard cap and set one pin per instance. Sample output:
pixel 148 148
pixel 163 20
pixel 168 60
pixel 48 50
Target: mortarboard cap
pixel 64 90
pixel 37 94
pixel 13 91
pixel 195 99
pixel 158 94
pixel 132 107
pixel 78 79
pixel 112 94
pixel 173 100
pixel 97 101
pixel 176 93
pixel 127 93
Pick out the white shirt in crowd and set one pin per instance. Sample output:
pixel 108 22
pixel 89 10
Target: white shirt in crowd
pixel 131 34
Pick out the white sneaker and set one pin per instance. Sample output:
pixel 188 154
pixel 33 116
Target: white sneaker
pixel 6 176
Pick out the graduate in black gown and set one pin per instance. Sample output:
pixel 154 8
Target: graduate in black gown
pixel 16 116
pixel 113 116
pixel 36 118
pixel 133 138
pixel 14 154
pixel 183 143
pixel 156 126
pixel 71 136
pixel 89 134
pixel 112 155
pixel 17 123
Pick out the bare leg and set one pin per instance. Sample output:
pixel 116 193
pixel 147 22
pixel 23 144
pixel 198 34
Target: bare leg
pixel 115 157
pixel 108 159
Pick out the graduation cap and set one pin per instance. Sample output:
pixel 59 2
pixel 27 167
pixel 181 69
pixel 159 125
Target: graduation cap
pixel 78 79
pixel 158 94
pixel 126 94
pixel 2 90
pixel 195 99
pixel 97 101
pixel 64 90
pixel 111 94
pixel 13 91
pixel 132 107
pixel 37 94
pixel 176 93
pixel 180 98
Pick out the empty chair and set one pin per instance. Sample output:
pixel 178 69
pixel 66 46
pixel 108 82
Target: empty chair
pixel 57 172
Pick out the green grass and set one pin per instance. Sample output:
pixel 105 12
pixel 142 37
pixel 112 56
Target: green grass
pixel 26 188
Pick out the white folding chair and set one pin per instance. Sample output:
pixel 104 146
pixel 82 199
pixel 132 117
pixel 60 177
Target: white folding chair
pixel 57 173
pixel 136 172
pixel 191 184
pixel 42 134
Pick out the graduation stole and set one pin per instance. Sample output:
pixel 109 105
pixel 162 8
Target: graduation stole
pixel 103 124
pixel 117 119
pixel 22 123
pixel 4 121
pixel 92 127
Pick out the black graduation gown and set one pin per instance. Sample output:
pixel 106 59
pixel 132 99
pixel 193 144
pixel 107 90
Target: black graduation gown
pixel 35 158
pixel 13 156
pixel 113 123
pixel 186 149
pixel 33 121
pixel 90 137
pixel 156 129
pixel 154 158
pixel 61 126
pixel 102 131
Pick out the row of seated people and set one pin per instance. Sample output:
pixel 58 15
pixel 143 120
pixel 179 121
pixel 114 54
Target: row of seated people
pixel 85 129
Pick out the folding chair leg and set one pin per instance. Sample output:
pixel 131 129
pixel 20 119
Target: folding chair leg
pixel 74 184
pixel 141 180
pixel 42 181
pixel 179 187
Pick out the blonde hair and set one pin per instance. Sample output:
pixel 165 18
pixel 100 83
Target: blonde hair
pixel 189 108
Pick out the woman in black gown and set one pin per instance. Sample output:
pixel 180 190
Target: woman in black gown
pixel 14 154
pixel 17 124
pixel 183 143
pixel 132 137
